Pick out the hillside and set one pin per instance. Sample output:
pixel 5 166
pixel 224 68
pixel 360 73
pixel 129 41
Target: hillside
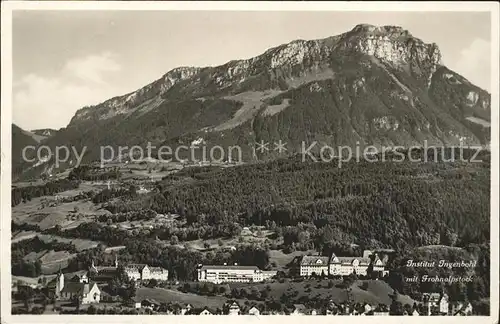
pixel 372 85
pixel 20 140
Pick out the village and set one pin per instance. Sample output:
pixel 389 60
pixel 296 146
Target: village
pixel 88 292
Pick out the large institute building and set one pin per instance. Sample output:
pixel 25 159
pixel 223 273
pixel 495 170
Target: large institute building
pixel 341 266
pixel 232 273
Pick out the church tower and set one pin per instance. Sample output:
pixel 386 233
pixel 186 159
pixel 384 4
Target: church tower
pixel 59 284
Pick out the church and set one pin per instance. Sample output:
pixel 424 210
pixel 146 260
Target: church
pixel 78 288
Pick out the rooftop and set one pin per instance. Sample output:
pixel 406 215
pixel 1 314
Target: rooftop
pixel 314 260
pixel 228 267
pixel 77 287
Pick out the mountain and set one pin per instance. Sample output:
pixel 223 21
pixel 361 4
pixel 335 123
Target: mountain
pixel 44 133
pixel 371 85
pixel 20 139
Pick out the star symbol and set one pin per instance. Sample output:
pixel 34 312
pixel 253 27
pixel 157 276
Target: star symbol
pixel 262 146
pixel 280 146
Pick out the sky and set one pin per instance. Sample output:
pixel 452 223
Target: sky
pixel 65 60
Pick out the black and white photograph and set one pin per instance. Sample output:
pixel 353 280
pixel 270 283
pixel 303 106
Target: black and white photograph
pixel 249 159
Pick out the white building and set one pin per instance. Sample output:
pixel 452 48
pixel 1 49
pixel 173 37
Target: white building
pixel 298 309
pixel 310 265
pixel 234 309
pixel 344 266
pixel 145 272
pixel 254 311
pixel 205 312
pixel 232 273
pixel 341 266
pixel 82 290
pixel 435 303
pixel 186 308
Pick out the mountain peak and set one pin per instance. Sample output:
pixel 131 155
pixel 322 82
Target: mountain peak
pixel 380 30
pixel 394 45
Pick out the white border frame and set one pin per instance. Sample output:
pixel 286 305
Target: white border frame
pixel 6 104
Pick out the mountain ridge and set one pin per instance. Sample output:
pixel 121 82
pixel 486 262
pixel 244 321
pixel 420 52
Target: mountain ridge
pixel 285 54
pixel 373 85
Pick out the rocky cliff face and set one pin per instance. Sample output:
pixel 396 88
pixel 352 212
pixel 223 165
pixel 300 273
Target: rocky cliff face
pixel 394 46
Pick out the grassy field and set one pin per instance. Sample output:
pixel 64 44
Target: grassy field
pixel 80 244
pixel 369 291
pixel 23 235
pixel 282 260
pixel 167 295
pixel 46 212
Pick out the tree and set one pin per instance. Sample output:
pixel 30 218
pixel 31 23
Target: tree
pixel 153 283
pixel 128 292
pixel 174 240
pixel 26 295
pixel 396 307
pixel 77 301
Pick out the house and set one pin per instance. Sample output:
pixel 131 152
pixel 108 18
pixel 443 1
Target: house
pixel 313 265
pixel 460 309
pixel 381 310
pixel 234 309
pixel 254 311
pixel 80 278
pixel 150 304
pixel 83 291
pixel 246 232
pixel 367 308
pixel 299 309
pixel 186 309
pixel 232 273
pixel 145 272
pixel 205 311
pixel 435 303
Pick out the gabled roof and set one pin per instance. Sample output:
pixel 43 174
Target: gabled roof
pixel 314 260
pixel 135 266
pixel 299 307
pixel 208 310
pixel 350 260
pixel 78 288
pixel 228 267
pixel 432 297
pixel 157 269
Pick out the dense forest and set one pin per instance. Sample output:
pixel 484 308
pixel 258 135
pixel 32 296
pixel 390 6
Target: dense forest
pixel 24 194
pixel 93 173
pixel 393 205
